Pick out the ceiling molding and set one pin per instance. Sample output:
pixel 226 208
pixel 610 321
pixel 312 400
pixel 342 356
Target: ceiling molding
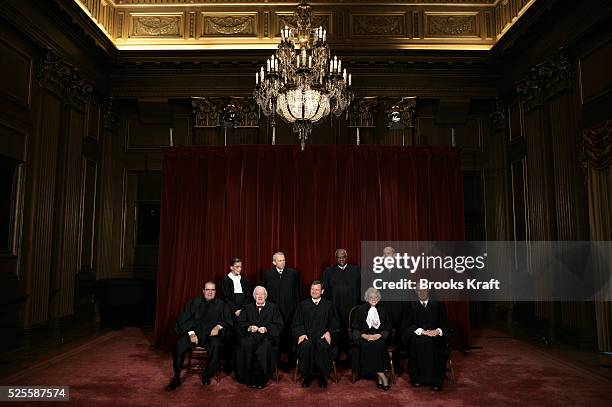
pixel 466 25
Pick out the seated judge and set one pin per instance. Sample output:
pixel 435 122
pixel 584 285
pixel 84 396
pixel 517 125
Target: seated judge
pixel 283 285
pixel 342 284
pixel 200 324
pixel 427 336
pixel 371 326
pixel 314 323
pixel 236 292
pixel 259 327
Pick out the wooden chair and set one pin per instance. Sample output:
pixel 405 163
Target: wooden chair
pixel 334 376
pixel 390 348
pixel 198 357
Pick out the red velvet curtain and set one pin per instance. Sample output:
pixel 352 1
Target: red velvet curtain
pixel 252 201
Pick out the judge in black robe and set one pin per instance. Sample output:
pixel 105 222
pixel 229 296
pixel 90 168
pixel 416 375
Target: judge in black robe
pixel 200 324
pixel 427 335
pixel 314 323
pixel 371 327
pixel 283 286
pixel 401 301
pixel 236 292
pixel 342 284
pixel 259 327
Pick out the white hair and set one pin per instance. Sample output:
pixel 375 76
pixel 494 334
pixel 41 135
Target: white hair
pixel 371 292
pixel 263 288
pixel 277 254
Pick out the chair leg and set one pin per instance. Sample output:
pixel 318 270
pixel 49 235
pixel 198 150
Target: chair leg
pixel 335 378
pixel 392 370
pixel 276 372
pixel 353 377
pixel 452 371
pixel 295 372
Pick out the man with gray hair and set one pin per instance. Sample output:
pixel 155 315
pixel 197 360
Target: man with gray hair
pixel 259 326
pixel 283 285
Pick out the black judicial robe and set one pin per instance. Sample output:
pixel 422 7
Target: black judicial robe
pixel 428 355
pixel 400 303
pixel 343 288
pixel 313 321
pixel 255 346
pixel 283 290
pixel 235 301
pixel 369 356
pixel 201 316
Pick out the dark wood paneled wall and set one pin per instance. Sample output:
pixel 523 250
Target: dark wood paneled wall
pixel 544 107
pixel 51 110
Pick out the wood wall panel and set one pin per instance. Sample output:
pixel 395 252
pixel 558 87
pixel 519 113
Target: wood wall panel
pixel 594 70
pixel 68 234
pixel 108 259
pixel 38 254
pixel 16 80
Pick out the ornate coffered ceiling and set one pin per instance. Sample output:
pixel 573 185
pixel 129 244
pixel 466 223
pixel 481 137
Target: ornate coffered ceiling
pixel 355 25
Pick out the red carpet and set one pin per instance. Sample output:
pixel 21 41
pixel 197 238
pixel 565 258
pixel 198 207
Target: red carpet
pixel 120 368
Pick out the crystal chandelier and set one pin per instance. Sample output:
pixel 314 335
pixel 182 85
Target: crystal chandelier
pixel 301 82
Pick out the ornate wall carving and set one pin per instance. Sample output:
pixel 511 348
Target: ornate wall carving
pixel 373 24
pixel 362 112
pixel 157 26
pixel 318 20
pixel 224 25
pixel 208 111
pixel 65 80
pixel 544 81
pixel 442 25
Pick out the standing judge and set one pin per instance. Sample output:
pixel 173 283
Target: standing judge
pixel 427 335
pixel 283 286
pixel 314 323
pixel 236 292
pixel 342 284
pixel 371 327
pixel 200 324
pixel 259 327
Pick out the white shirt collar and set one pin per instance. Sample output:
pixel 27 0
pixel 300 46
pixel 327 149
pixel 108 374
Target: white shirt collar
pixel 341 267
pixel 236 281
pixel 279 270
pixel 316 301
pixel 424 303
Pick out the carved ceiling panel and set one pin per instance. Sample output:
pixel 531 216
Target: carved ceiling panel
pixel 364 25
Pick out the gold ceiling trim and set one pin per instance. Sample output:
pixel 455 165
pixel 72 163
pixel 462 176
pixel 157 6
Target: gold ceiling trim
pixel 471 25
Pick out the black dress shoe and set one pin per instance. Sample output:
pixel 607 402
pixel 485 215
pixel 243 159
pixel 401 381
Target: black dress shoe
pixel 436 388
pixel 307 381
pixel 379 385
pixel 205 380
pixel 387 387
pixel 322 382
pixel 416 384
pixel 176 382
